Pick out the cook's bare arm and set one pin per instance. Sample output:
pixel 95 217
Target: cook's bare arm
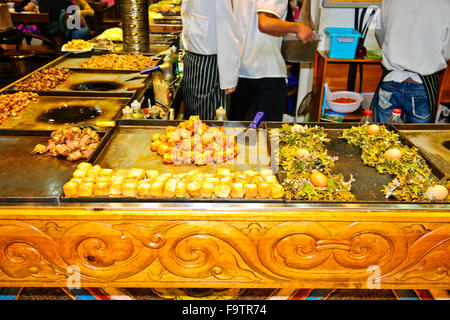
pixel 272 25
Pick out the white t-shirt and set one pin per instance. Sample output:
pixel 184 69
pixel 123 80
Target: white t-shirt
pixel 261 53
pixel 209 27
pixel 414 36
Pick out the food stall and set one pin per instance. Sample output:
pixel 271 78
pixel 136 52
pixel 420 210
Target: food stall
pixel 172 203
pixel 334 240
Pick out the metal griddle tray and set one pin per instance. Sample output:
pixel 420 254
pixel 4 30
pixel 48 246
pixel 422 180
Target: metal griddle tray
pixel 111 108
pixel 27 177
pixel 368 182
pixel 74 61
pixel 103 83
pixel 127 146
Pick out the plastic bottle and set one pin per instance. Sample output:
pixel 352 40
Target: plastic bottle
pixel 395 117
pixel 180 64
pixel 367 118
pixel 167 72
pixel 174 60
pixel 137 111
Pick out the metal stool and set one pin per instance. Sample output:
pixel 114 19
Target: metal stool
pixel 20 61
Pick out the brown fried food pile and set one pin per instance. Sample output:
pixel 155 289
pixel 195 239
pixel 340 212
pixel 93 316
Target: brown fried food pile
pixel 119 62
pixel 44 80
pixel 12 104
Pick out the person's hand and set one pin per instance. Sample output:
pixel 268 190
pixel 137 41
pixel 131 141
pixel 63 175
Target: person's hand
pixel 230 91
pixel 30 7
pixel 304 33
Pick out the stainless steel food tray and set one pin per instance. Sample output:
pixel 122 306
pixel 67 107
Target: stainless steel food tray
pixel 127 146
pixel 368 182
pixel 28 177
pixel 29 118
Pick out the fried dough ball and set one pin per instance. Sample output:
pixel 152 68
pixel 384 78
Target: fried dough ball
pixel 193 189
pixel 256 179
pixel 79 173
pixel 237 190
pixel 169 190
pixel 222 190
pixel 84 166
pixel 250 190
pixel 136 174
pixel 106 172
pixel 101 189
pixel 207 189
pixel 181 189
pixel 250 174
pixel 115 188
pixel 264 190
pixel 143 188
pixel 151 174
pixel 277 191
pixel 71 189
pixel 129 188
pixel 86 189
pixel 156 190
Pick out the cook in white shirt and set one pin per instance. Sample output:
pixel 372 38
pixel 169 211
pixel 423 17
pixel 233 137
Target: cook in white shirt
pixel 415 39
pixel 262 74
pixel 211 64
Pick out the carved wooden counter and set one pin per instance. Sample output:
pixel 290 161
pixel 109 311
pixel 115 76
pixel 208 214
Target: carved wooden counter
pixel 225 245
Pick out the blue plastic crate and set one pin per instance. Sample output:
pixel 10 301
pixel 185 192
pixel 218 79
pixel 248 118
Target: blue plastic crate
pixel 342 42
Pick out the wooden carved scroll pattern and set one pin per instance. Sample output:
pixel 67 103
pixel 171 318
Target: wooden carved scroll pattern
pixel 219 250
pixel 294 249
pixel 26 251
pixel 428 257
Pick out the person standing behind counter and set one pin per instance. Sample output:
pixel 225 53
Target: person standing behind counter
pixel 415 43
pixel 211 38
pixel 262 75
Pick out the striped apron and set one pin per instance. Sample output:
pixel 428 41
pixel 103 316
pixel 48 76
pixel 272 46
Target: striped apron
pixel 200 86
pixel 431 84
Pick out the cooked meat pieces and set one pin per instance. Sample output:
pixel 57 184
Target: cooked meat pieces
pixel 40 148
pixel 73 143
pixel 193 141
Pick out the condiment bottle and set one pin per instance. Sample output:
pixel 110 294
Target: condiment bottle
pixel 395 117
pixel 367 118
pixel 137 111
pixel 168 72
pixel 127 112
pixel 180 64
pixel 221 114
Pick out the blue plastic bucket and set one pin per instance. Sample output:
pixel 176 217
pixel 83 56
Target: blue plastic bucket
pixel 342 42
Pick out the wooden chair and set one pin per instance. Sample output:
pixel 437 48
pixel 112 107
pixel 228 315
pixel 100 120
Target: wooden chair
pixel 19 54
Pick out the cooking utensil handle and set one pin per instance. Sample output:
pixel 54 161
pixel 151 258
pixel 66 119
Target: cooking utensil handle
pixel 257 120
pixel 150 70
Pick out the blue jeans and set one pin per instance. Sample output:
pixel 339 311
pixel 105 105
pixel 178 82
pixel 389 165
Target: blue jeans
pixel 82 33
pixel 408 96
